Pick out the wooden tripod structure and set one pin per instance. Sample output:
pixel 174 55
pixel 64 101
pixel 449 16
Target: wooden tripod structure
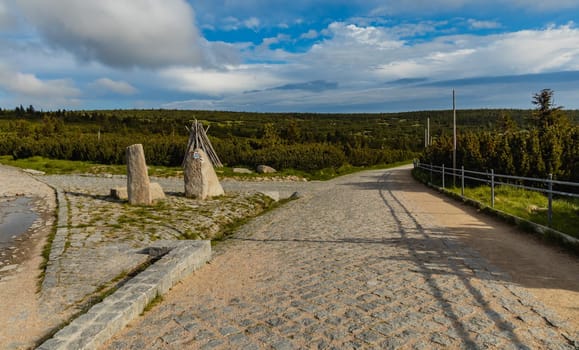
pixel 198 139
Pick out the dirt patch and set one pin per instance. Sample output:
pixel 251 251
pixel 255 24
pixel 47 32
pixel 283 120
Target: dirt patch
pixel 546 271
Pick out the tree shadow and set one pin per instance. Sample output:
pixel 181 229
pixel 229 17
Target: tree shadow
pixel 433 252
pixel 98 197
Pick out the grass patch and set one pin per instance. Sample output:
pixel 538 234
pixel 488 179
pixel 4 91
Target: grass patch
pixel 156 301
pixel 57 167
pixel 528 205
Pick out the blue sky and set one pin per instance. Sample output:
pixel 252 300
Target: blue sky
pixel 290 56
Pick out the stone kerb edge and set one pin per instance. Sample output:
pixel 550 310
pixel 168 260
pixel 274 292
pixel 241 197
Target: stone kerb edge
pixel 58 242
pixel 102 321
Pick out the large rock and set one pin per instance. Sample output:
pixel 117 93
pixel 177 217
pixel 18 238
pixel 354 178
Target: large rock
pixel 200 178
pixel 155 190
pixel 264 169
pixel 137 177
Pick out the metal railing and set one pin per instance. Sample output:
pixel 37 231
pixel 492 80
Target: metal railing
pixel 546 186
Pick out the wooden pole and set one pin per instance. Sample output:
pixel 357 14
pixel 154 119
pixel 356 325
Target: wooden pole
pixel 428 131
pixel 454 137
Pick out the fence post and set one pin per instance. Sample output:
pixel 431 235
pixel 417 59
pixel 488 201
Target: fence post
pixel 431 173
pixel 492 188
pixel 550 211
pixel 462 181
pixel 442 175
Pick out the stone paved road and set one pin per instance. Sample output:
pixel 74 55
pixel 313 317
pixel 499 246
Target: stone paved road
pixel 347 266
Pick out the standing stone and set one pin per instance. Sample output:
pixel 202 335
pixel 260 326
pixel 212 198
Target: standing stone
pixel 200 178
pixel 137 177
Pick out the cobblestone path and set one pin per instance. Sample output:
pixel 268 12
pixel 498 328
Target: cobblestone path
pixel 348 266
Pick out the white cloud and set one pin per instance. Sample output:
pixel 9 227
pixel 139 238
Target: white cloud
pixel 119 87
pixel 445 6
pixel 252 23
pixel 373 53
pixel 476 24
pixel 231 23
pixel 218 83
pixel 30 85
pixel 266 42
pixel 362 59
pixel 138 33
pixel 310 34
pixel 29 89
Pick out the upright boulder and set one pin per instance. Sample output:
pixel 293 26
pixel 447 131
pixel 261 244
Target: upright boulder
pixel 138 185
pixel 200 178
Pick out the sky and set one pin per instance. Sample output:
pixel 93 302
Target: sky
pixel 287 56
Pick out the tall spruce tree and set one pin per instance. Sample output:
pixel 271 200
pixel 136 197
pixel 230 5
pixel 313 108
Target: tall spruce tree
pixel 553 127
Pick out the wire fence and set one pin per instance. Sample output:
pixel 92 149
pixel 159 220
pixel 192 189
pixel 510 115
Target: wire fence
pixel 548 186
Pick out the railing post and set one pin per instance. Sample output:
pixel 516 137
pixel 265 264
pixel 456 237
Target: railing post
pixel 550 211
pixel 431 173
pixel 492 188
pixel 442 175
pixel 462 180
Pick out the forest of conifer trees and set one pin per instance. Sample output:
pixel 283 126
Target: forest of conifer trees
pixel 523 142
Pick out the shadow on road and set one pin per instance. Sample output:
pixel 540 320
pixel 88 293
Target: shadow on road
pixel 434 253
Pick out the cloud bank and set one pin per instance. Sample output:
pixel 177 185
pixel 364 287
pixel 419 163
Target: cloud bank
pixel 137 33
pixel 329 55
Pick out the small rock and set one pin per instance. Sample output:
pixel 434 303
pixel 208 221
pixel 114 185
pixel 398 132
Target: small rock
pixel 296 195
pixel 271 194
pixel 119 193
pixel 242 171
pixel 264 169
pixel 34 172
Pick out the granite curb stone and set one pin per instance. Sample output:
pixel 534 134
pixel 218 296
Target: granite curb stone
pixel 58 242
pixel 102 321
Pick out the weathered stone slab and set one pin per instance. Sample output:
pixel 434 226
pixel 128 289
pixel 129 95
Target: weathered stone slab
pixel 137 177
pixel 200 178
